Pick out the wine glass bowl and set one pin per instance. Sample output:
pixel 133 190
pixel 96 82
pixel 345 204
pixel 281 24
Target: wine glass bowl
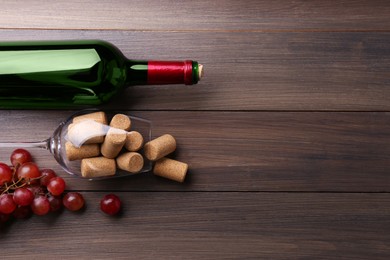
pixel 56 143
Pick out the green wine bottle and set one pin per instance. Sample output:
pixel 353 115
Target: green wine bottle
pixel 66 74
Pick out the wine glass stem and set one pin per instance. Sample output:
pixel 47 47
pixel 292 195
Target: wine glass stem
pixel 43 144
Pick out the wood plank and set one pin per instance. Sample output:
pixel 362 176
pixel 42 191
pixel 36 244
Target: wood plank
pixel 255 71
pixel 211 225
pixel 245 151
pixel 197 15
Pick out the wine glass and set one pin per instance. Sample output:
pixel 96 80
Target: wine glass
pixel 56 143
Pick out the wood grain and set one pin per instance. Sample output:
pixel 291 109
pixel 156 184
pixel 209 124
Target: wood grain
pixel 255 71
pixel 197 15
pixel 211 226
pixel 287 136
pixel 256 151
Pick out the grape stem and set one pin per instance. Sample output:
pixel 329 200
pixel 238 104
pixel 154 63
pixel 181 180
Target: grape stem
pixel 16 184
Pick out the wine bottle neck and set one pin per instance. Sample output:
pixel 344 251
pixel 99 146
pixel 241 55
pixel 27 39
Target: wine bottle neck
pixel 163 72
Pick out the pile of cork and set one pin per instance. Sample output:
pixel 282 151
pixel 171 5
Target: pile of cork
pixel 103 148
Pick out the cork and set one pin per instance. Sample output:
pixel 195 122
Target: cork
pixel 171 169
pixel 130 161
pixel 97 167
pixel 134 141
pixel 160 147
pixel 121 121
pixel 200 71
pixel 99 117
pixel 86 132
pixel 85 151
pixel 113 143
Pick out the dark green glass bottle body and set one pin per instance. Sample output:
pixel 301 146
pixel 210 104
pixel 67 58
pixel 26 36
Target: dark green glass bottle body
pixel 66 74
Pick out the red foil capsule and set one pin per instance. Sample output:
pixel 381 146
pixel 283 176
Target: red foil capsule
pixel 170 72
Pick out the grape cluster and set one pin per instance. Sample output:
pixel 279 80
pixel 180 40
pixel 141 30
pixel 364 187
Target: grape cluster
pixel 27 190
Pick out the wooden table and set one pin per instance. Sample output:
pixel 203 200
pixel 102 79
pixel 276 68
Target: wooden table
pixel 287 136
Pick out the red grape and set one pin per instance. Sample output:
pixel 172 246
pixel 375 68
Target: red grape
pixel 22 212
pixel 5 173
pixel 110 204
pixel 20 156
pixel 56 186
pixel 37 190
pixel 28 171
pixel 55 202
pixel 73 201
pixel 47 175
pixel 23 196
pixel 7 204
pixel 40 205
